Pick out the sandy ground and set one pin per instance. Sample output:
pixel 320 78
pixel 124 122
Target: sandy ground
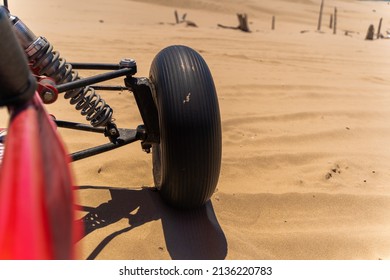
pixel 305 118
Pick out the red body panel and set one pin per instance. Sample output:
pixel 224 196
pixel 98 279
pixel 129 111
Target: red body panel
pixel 36 189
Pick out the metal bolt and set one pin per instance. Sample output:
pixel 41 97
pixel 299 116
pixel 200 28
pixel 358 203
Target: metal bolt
pixel 146 147
pixel 47 97
pixel 127 63
pixel 112 131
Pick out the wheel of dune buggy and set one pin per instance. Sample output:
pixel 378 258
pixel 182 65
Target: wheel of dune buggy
pixel 186 163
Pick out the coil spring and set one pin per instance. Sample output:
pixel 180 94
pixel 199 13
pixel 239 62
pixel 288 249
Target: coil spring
pixel 49 63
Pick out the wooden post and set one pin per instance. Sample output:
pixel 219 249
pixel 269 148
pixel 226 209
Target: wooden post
pixel 370 32
pixel 320 16
pixel 177 17
pixel 273 22
pixel 243 22
pixel 183 20
pixel 335 21
pixel 379 29
pixel 331 21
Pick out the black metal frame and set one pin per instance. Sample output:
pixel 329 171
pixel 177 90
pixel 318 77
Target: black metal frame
pixel 147 133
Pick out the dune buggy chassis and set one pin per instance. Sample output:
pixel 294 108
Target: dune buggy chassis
pixel 178 105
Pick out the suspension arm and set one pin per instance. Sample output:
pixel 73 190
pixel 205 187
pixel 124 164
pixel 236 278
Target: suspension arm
pixel 83 82
pixel 47 62
pixel 79 126
pixel 109 88
pixel 127 136
pixel 95 66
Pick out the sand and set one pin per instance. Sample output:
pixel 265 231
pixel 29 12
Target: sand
pixel 305 118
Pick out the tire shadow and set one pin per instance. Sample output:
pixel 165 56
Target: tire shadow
pixel 194 235
pixel 189 234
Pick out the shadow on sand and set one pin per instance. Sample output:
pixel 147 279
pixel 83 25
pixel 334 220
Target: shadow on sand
pixel 189 235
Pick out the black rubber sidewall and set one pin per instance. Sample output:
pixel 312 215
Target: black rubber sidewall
pixel 186 164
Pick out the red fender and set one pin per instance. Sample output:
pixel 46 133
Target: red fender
pixel 36 189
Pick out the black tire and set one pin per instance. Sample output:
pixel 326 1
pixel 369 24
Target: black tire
pixel 187 162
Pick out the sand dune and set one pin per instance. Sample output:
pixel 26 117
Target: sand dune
pixel 305 169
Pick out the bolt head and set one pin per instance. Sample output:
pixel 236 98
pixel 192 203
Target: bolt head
pixel 127 63
pixel 112 131
pixel 48 97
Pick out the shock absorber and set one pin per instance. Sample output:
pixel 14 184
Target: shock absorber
pixel 48 62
